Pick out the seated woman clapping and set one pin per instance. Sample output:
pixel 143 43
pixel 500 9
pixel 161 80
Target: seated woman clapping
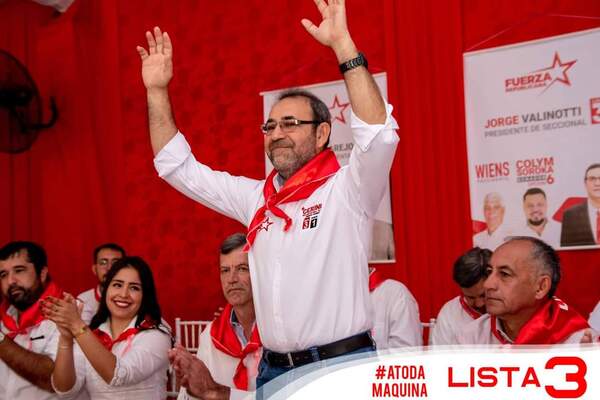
pixel 123 353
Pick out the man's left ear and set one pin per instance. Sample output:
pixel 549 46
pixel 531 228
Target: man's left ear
pixel 543 287
pixel 44 274
pixel 323 132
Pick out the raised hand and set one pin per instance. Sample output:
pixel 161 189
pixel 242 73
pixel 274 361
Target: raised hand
pixel 157 61
pixel 181 360
pixel 333 29
pixel 65 313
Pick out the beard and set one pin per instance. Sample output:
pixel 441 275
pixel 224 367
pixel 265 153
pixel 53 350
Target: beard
pixel 290 158
pixel 536 222
pixel 24 298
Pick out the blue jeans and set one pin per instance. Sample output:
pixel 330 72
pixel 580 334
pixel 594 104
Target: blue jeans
pixel 267 372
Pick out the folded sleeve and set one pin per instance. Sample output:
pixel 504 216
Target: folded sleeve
pixel 371 160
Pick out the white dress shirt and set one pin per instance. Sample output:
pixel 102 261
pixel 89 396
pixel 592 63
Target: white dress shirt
pixel 222 366
pixel 396 322
pixel 550 233
pixel 140 371
pixel 479 331
pixel 310 286
pixel 40 339
pixel 90 304
pixel 451 320
pixel 485 240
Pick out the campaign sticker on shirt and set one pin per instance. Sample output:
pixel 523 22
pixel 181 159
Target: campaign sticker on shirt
pixel 311 216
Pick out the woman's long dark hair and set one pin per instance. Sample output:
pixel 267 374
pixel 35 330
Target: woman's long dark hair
pixel 149 309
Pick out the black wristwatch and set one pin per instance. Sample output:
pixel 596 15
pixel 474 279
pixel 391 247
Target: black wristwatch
pixel 355 62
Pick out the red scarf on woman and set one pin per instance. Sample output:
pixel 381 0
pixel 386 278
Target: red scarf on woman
pixel 298 187
pixel 108 342
pixel 30 317
pixel 552 323
pixel 225 340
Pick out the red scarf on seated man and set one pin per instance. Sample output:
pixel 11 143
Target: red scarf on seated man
pixel 30 317
pixel 298 187
pixel 225 340
pixel 552 323
pixel 376 278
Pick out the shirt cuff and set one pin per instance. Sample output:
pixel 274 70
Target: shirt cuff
pixel 364 133
pixel 120 374
pixel 172 155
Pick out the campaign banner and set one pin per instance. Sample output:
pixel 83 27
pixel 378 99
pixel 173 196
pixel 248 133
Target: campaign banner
pixel 335 96
pixel 455 372
pixel 533 137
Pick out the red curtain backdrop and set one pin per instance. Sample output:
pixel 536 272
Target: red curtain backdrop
pixel 90 179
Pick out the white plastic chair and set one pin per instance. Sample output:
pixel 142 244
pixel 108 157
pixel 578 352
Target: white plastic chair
pixel 187 333
pixel 429 325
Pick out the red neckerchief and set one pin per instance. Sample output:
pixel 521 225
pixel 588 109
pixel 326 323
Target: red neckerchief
pixel 299 186
pixel 552 323
pixel 468 309
pixel 97 294
pixel 107 340
pixel 224 339
pixel 30 317
pixel 376 278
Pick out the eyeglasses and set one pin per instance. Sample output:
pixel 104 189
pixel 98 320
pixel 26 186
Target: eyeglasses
pixel 286 125
pixel 593 179
pixel 105 261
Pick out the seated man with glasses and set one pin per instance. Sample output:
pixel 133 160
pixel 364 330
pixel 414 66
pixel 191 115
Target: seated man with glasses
pixel 309 277
pixel 581 222
pixel 105 256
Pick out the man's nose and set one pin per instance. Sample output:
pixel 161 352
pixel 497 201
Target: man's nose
pixel 490 282
pixel 11 279
pixel 233 276
pixel 277 133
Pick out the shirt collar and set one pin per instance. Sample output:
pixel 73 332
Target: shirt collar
pixel 500 330
pixel 105 326
pixel 278 182
pixel 238 328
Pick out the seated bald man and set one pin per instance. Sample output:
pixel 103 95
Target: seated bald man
pixel 522 278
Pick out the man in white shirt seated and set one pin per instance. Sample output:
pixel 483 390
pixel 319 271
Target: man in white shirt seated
pixel 521 281
pixel 27 339
pixel 469 273
pixel 105 256
pixel 229 349
pixel 396 313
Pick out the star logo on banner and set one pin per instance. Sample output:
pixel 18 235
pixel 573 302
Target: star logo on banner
pixel 265 225
pixel 558 71
pixel 337 109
